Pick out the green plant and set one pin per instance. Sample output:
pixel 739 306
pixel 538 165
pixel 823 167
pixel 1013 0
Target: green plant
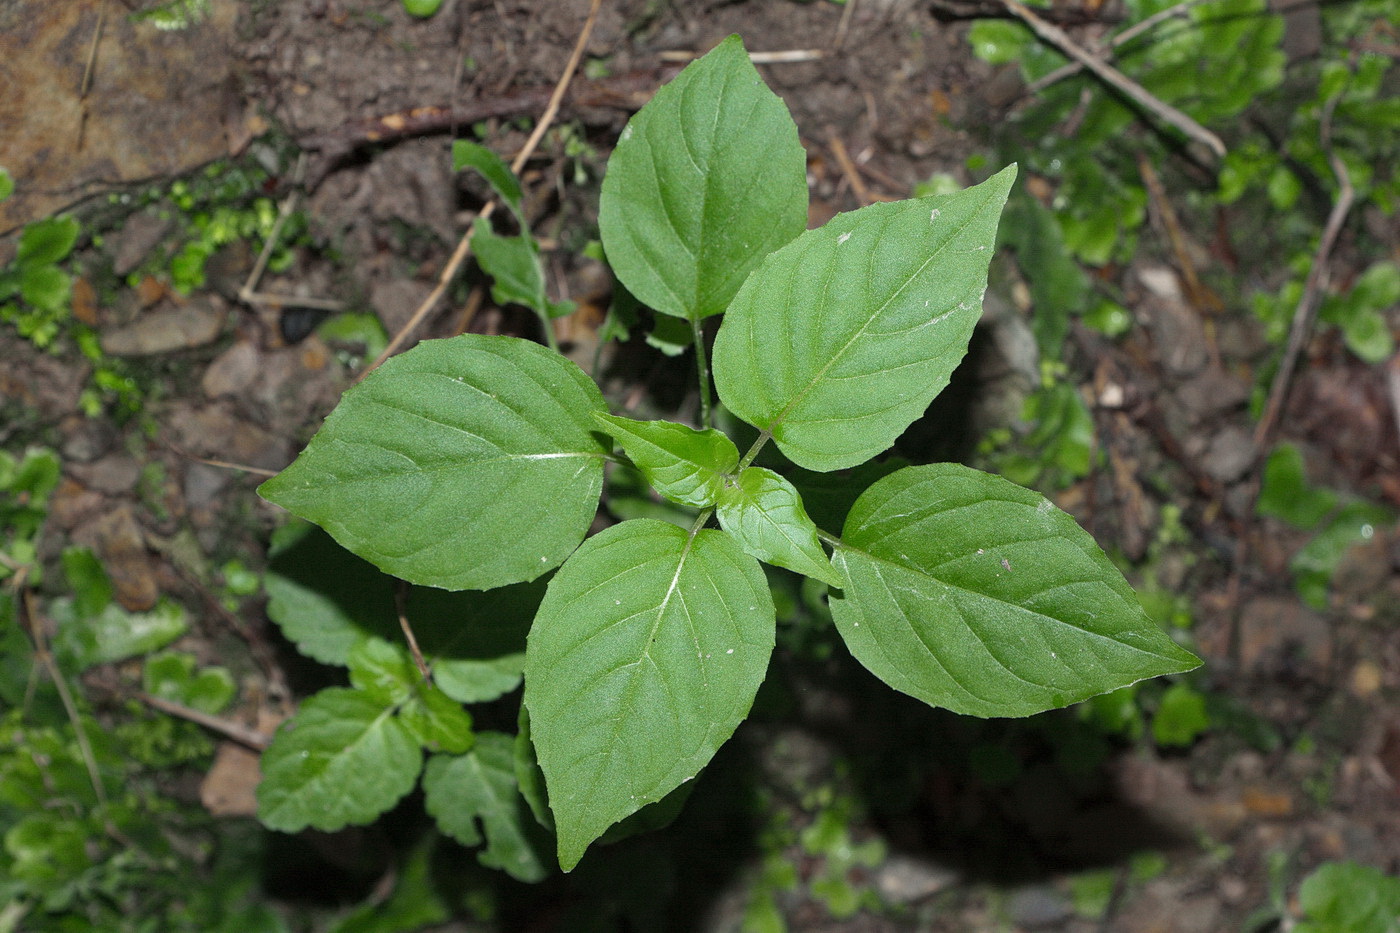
pixel 1338 522
pixel 35 291
pixel 1347 897
pixel 476 463
pixel 422 8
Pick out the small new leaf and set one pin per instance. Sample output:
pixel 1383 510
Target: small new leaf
pixel 383 671
pixel 343 758
pixel 493 168
pixel 513 262
pixel 974 594
pixel 647 652
pixel 840 340
pixel 436 467
pixel 437 721
pixel 764 512
pixel 480 786
pixel 684 465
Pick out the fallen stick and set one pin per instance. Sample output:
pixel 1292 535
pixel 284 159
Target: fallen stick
pixel 1116 79
pixel 1305 314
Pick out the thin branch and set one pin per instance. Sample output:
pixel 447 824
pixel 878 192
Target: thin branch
pixel 459 255
pixel 30 620
pixel 1116 79
pixel 401 605
pixel 1305 314
pixel 1122 38
pixel 848 168
pixel 243 735
pixel 702 369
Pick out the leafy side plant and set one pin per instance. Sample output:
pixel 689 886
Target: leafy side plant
pixel 477 462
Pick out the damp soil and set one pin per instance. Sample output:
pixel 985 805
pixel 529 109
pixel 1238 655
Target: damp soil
pixel 349 107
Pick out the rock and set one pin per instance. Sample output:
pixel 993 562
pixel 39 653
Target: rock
pixel 137 237
pixel 1230 455
pixel 114 474
pixel 1278 628
pixel 1039 906
pixel 120 544
pixel 232 371
pixel 165 329
pixel 1175 326
pixel 1212 392
pixel 903 880
pixel 395 301
pixel 86 439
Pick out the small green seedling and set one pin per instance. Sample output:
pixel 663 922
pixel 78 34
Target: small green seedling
pixel 478 462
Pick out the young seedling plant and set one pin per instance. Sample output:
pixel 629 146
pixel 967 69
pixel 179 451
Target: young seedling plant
pixel 477 462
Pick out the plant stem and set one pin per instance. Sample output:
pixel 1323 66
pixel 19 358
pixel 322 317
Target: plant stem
pixel 830 539
pixel 758 443
pixel 549 337
pixel 702 365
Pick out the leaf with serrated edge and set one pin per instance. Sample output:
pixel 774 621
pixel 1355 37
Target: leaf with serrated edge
pixel 684 465
pixel 460 790
pixel 840 340
pixel 467 463
pixel 646 654
pixel 974 594
pixel 764 513
pixel 382 670
pixel 342 759
pixel 706 180
pixel 437 721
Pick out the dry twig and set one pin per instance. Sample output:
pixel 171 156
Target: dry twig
pixel 1165 112
pixel 243 735
pixel 1122 38
pixel 1305 314
pixel 460 254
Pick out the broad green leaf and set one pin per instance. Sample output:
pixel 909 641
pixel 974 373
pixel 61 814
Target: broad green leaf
pixel 973 594
pixel 1348 897
pixel 324 598
pixel 46 287
pixel 647 652
pixel 764 513
pixel 1313 566
pixel 437 721
pixel 384 671
pixel 528 776
pixel 493 168
pixel 684 465
pixel 513 262
pixel 1286 494
pixel 840 339
pixel 707 179
pixel 467 463
pixel 480 786
pixel 7 184
pixel 343 758
pixel 1180 717
pixel 172 676
pixel 45 242
pixel 113 634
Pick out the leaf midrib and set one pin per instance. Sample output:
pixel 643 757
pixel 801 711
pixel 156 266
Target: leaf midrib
pixel 821 373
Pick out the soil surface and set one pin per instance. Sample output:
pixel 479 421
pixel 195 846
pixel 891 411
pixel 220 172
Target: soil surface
pixel 350 106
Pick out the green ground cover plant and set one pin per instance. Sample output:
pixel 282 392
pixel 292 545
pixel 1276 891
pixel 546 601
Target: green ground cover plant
pixel 475 465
